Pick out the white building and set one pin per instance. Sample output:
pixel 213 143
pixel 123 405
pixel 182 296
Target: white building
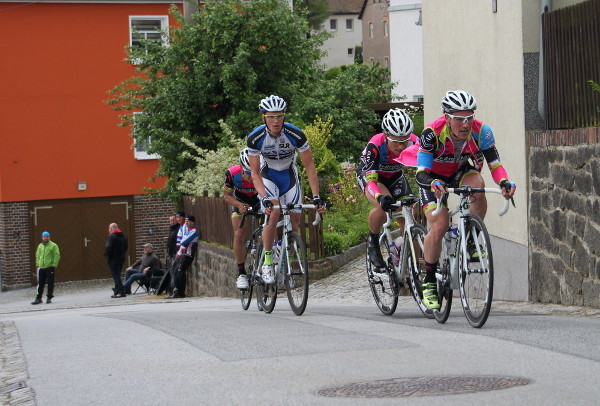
pixel 406 48
pixel 343 23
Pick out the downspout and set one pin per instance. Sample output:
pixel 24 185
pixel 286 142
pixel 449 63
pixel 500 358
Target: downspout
pixel 546 6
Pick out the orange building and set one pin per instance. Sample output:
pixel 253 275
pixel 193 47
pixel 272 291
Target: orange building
pixel 65 165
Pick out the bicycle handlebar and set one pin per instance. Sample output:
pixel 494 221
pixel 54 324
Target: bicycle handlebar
pixel 291 206
pixel 468 190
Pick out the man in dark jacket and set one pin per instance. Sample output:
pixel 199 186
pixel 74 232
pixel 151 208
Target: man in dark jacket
pixel 115 249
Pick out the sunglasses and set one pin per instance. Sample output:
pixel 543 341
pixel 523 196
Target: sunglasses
pixel 462 119
pixel 274 116
pixel 397 141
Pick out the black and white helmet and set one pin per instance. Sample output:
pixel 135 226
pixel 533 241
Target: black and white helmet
pixel 272 103
pixel 458 100
pixel 396 122
pixel 244 161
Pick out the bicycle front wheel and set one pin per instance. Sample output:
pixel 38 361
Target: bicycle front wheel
pixel 416 266
pixel 266 294
pixel 252 260
pixel 296 277
pixel 444 293
pixel 384 284
pixel 476 272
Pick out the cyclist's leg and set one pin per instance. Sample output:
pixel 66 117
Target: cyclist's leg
pixel 271 180
pixel 432 244
pixel 290 191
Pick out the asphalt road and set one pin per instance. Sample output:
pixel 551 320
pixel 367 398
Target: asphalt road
pixel 211 352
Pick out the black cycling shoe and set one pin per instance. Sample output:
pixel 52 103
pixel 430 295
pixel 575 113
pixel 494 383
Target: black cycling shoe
pixel 375 255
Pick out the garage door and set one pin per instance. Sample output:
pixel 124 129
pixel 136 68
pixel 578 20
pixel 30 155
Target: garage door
pixel 80 228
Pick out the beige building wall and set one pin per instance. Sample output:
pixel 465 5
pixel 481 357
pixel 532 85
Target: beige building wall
pixel 468 47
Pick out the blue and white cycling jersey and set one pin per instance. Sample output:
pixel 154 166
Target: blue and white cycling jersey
pixel 279 152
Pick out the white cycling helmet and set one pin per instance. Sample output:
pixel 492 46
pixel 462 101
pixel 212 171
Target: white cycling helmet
pixel 458 100
pixel 244 161
pixel 272 103
pixel 396 122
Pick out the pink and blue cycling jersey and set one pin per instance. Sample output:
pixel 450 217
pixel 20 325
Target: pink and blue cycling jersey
pixel 437 154
pixel 234 181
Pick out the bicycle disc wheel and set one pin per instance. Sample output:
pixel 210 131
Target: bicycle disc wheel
pixel 476 273
pixel 416 267
pixel 384 284
pixel 296 278
pixel 444 295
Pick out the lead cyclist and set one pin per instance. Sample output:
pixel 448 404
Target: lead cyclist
pixel 451 154
pixel 277 178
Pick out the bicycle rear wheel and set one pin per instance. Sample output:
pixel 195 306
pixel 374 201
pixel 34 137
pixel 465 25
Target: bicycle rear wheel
pixel 384 284
pixel 476 272
pixel 246 294
pixel 416 267
pixel 296 278
pixel 444 294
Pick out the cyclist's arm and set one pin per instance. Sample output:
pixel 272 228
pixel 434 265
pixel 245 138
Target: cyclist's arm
pixel 371 169
pixel 487 144
pixel 309 165
pixel 256 176
pixel 428 142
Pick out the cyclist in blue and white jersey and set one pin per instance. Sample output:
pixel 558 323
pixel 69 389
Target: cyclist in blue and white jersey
pixel 276 179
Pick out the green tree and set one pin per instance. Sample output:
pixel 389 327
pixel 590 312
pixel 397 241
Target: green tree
pixel 218 68
pixel 344 98
pixel 317 11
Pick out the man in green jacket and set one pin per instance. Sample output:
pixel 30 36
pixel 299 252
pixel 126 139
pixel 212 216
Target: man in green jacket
pixel 46 261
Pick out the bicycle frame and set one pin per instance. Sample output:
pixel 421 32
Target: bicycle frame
pixel 463 208
pixel 409 222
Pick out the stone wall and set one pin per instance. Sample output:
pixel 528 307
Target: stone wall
pixel 564 211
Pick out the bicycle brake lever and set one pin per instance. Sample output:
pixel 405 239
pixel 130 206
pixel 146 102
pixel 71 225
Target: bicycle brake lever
pixel 512 200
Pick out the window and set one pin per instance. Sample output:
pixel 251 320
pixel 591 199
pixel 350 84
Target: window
pixel 350 51
pixel 333 24
pixel 386 62
pixel 140 148
pixel 386 28
pixel 147 28
pixel 371 29
pixel 349 24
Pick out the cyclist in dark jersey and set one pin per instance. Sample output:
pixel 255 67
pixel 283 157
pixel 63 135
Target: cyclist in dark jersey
pixel 239 192
pixel 451 154
pixel 276 177
pixel 380 175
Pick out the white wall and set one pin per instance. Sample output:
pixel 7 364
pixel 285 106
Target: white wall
pixel 468 47
pixel 337 46
pixel 406 48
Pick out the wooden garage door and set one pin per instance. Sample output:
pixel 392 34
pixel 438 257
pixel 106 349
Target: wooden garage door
pixel 80 228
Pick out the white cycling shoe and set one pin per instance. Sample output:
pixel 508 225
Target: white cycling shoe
pixel 268 275
pixel 242 282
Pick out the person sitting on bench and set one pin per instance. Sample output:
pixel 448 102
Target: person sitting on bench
pixel 144 268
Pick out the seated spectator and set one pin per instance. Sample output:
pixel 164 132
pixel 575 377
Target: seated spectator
pixel 143 269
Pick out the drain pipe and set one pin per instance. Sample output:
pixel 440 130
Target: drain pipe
pixel 546 6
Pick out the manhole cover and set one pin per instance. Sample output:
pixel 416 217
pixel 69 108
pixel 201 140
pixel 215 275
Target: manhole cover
pixel 424 386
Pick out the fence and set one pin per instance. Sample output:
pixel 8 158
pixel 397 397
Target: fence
pixel 214 222
pixel 571 38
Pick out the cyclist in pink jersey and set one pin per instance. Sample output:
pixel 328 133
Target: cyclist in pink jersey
pixel 380 176
pixel 451 154
pixel 239 192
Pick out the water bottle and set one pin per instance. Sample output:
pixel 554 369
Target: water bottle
pixel 395 254
pixel 253 248
pixel 451 238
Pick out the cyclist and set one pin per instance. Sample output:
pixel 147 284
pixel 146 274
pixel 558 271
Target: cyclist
pixel 451 153
pixel 276 177
pixel 380 176
pixel 239 192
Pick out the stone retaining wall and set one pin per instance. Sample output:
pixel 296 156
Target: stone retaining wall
pixel 564 211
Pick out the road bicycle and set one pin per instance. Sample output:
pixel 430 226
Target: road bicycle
pixel 466 261
pixel 290 264
pixel 253 253
pixel 403 264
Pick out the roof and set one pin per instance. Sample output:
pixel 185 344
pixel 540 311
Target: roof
pixel 345 6
pixel 96 1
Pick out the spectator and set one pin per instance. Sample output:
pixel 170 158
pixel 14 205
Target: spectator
pixel 46 261
pixel 143 269
pixel 184 258
pixel 174 225
pixel 114 251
